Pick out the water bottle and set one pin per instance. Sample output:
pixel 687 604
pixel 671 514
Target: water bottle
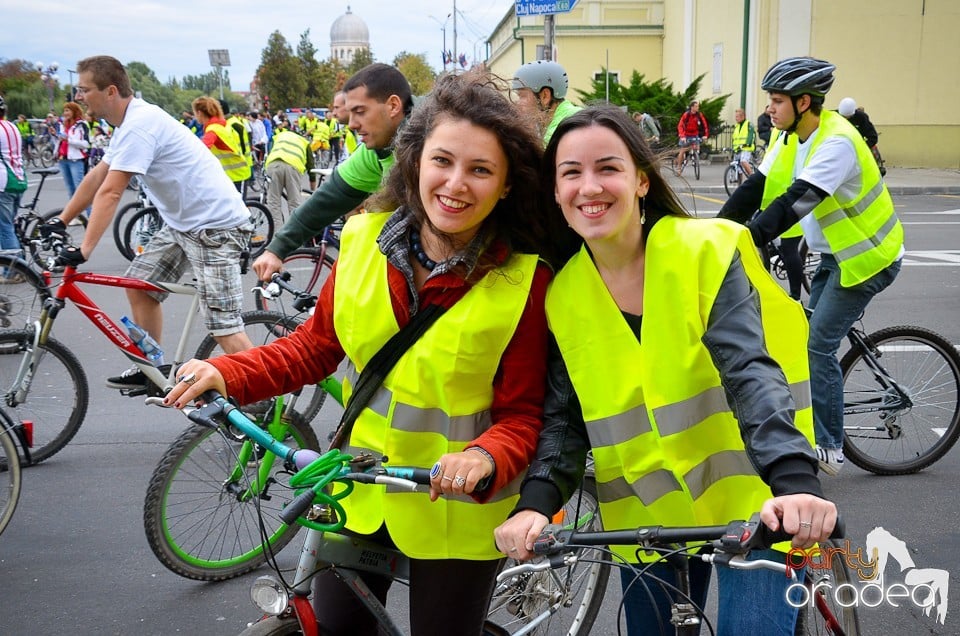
pixel 145 341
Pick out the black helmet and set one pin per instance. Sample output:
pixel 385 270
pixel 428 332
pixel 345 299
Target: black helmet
pixel 799 76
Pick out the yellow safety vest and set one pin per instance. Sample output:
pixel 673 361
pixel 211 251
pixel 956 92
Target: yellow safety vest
pixel 666 446
pixel 741 133
pixel 232 161
pixel 350 141
pixel 320 138
pixel 246 148
pixel 291 148
pixel 435 400
pixel 864 232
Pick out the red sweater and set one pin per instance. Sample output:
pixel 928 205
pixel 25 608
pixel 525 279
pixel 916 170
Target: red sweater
pixel 211 139
pixel 313 352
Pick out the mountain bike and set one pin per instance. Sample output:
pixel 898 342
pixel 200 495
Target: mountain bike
pixel 42 381
pixel 122 219
pixel 772 255
pixel 12 434
pixel 735 175
pixel 204 503
pixel 691 156
pixel 723 546
pixel 901 399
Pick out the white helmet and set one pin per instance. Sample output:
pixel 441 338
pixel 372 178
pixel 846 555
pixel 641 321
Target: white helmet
pixel 539 74
pixel 847 106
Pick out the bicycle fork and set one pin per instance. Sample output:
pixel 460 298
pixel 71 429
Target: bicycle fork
pixel 28 364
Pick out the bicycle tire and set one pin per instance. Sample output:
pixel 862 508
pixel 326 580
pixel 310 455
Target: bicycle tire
pixel 120 222
pixel 523 598
pixel 731 180
pixel 140 229
pixel 194 518
pixel 22 293
pixel 47 157
pixel 696 165
pixel 287 625
pixel 811 621
pixel 888 442
pixel 59 393
pixel 308 272
pixel 263 327
pixel 262 227
pixel 10 476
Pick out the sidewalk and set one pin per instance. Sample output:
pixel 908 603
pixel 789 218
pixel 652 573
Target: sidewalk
pixel 899 181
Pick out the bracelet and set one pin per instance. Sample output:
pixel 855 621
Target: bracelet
pixel 486 454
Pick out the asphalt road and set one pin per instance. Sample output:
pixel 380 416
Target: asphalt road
pixel 74 558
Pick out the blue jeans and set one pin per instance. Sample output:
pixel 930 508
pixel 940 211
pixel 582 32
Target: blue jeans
pixel 835 308
pixel 73 172
pixel 750 602
pixel 9 204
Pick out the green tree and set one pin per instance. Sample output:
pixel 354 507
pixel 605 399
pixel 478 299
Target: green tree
pixel 280 75
pixel 361 58
pixel 23 90
pixel 659 99
pixel 417 71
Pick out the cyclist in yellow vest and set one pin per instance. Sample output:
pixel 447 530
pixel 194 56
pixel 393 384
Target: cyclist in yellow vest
pixel 342 118
pixel 694 402
pixel 286 164
pixel 238 122
pixel 825 177
pixel 468 394
pixel 222 140
pixel 743 140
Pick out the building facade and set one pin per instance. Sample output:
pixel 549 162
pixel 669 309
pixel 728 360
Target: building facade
pixel 348 35
pixel 896 58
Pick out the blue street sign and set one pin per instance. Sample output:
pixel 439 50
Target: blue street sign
pixel 543 7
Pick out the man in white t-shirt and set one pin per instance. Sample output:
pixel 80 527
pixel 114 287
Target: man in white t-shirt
pixel 258 135
pixel 820 172
pixel 206 223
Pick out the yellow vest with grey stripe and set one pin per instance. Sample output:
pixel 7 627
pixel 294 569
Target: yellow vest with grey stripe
pixel 667 448
pixel 232 161
pixel 435 400
pixel 864 232
pixel 291 148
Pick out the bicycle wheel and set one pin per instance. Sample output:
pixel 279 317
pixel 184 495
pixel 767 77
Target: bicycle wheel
pixel 201 519
pixel 574 594
pixel 262 227
pixel 22 292
pixel 120 222
pixel 57 400
pixel 263 327
pixel 140 229
pixel 886 434
pixel 829 602
pixel 256 182
pixel 696 164
pixel 9 472
pixel 47 157
pixel 731 179
pixel 308 272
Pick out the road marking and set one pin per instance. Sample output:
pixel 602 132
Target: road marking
pixel 932 258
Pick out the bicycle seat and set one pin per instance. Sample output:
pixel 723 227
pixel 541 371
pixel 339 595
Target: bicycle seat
pixel 326 172
pixel 46 171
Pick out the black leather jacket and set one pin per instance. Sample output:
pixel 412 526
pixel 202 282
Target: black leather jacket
pixel 756 390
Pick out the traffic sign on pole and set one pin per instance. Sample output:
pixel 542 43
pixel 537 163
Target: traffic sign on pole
pixel 543 7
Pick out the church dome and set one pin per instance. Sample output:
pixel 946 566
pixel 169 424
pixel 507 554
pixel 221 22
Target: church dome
pixel 349 29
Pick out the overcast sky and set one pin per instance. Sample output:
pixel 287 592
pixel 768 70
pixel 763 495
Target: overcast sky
pixel 172 37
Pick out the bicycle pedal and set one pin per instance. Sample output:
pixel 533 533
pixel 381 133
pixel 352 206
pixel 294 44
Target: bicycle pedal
pixel 142 390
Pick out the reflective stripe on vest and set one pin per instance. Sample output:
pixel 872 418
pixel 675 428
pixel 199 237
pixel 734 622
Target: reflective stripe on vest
pixel 435 400
pixel 231 160
pixel 667 449
pixel 864 233
pixel 290 148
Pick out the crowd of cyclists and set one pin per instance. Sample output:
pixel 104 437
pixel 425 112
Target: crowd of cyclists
pixel 499 392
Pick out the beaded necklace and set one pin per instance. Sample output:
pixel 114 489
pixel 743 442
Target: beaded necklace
pixel 417 248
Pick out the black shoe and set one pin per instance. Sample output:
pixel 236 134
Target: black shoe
pixel 133 378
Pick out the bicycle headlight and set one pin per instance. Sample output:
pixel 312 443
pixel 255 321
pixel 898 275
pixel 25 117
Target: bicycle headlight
pixel 267 594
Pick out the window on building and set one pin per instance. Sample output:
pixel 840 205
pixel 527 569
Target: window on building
pixel 598 76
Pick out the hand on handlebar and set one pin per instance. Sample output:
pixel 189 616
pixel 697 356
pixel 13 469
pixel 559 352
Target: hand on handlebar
pixel 266 265
pixel 70 256
pixel 54 226
pixel 194 377
pixel 516 535
pixel 808 518
pixel 458 473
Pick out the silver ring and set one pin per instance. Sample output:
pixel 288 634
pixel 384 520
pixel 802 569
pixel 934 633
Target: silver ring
pixel 805 524
pixel 445 477
pixel 513 549
pixel 459 481
pixel 188 379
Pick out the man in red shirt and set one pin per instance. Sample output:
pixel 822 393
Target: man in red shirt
pixel 691 129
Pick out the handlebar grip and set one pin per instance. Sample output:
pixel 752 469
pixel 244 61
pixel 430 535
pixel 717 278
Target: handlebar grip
pixel 297 507
pixel 765 537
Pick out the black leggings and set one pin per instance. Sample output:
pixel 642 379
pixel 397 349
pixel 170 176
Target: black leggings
pixel 446 597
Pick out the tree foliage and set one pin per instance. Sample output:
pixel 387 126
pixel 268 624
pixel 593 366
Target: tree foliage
pixel 280 74
pixel 23 90
pixel 417 71
pixel 658 99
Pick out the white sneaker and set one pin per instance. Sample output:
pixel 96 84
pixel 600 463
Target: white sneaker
pixel 831 460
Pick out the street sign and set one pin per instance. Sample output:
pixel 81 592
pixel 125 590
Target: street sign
pixel 543 7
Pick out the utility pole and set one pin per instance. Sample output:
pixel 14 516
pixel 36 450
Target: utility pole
pixel 548 30
pixel 455 57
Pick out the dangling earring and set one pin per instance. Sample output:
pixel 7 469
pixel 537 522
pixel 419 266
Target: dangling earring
pixel 643 210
